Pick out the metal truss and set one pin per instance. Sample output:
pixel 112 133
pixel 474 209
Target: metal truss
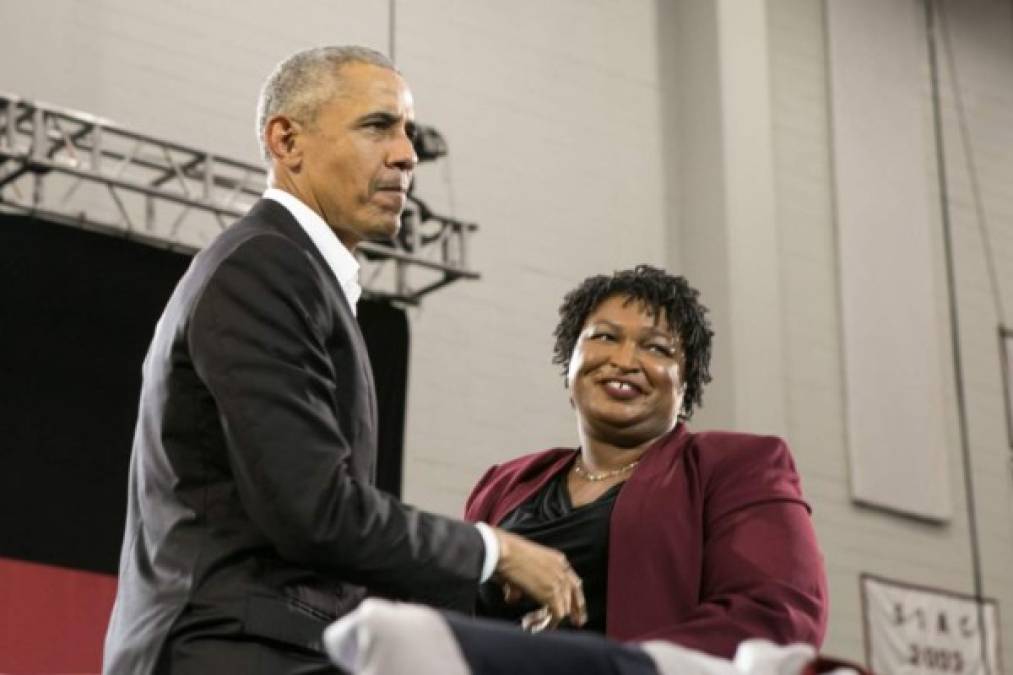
pixel 74 168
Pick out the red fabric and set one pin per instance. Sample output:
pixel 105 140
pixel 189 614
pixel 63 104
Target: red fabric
pixel 710 541
pixel 52 620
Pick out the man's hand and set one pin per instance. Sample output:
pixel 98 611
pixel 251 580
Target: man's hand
pixel 543 574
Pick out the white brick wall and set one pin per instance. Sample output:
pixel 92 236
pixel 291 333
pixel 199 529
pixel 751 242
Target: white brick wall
pixel 856 539
pixel 980 32
pixel 185 70
pixel 562 140
pixel 551 111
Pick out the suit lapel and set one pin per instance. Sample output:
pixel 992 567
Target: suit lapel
pixel 274 214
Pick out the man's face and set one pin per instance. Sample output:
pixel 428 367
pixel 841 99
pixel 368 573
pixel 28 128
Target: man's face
pixel 358 155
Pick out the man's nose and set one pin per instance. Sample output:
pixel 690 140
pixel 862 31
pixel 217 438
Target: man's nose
pixel 402 154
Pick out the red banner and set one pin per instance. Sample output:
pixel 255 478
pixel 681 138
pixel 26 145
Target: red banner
pixel 52 619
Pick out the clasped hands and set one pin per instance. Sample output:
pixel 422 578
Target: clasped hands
pixel 544 575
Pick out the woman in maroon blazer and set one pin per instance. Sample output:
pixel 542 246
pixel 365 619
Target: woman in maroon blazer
pixel 700 538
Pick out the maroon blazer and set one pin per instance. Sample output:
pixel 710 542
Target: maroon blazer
pixel 710 541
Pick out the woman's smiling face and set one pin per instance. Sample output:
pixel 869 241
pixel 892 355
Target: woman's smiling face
pixel 625 375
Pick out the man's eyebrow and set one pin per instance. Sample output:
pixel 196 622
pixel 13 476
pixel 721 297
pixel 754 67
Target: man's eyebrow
pixel 388 119
pixel 379 116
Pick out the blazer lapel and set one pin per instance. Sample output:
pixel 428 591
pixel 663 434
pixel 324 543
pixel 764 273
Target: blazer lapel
pixel 271 212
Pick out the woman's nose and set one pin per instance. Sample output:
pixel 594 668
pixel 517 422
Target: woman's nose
pixel 625 355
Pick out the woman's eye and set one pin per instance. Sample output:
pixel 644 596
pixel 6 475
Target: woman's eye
pixel 601 337
pixel 664 350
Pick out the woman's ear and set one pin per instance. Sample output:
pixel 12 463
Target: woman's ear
pixel 682 415
pixel 566 386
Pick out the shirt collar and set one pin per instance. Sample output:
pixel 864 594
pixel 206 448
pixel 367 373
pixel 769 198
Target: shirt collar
pixel 341 261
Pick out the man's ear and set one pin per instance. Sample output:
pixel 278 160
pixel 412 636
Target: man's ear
pixel 282 135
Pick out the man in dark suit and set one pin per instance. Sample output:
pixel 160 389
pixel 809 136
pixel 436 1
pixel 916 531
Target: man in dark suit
pixel 252 521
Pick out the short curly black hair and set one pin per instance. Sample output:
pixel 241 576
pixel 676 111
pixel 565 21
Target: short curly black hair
pixel 658 292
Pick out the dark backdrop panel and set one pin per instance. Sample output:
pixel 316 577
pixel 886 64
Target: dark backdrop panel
pixel 77 310
pixel 385 328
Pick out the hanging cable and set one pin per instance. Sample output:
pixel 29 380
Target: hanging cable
pixel 972 518
pixel 972 168
pixel 391 28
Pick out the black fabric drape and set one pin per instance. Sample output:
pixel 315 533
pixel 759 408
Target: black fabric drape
pixel 385 328
pixel 77 311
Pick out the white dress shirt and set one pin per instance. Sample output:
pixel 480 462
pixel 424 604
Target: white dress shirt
pixel 346 271
pixel 339 259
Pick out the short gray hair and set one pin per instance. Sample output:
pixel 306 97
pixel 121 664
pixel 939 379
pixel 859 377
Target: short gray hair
pixel 305 81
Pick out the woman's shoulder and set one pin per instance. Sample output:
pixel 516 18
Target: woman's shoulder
pixel 718 447
pixel 533 460
pixel 740 468
pixel 501 479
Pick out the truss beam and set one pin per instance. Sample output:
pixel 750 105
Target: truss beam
pixel 81 170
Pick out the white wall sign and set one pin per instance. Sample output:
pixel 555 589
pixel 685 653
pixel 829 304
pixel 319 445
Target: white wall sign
pixel 912 629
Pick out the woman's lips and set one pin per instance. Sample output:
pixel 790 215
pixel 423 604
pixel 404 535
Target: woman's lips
pixel 621 390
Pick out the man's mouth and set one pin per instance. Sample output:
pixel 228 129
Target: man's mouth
pixel 393 196
pixel 393 185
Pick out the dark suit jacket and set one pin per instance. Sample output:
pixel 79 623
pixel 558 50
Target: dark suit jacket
pixel 710 541
pixel 251 515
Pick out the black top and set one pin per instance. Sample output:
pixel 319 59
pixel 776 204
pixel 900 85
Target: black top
pixel 582 533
